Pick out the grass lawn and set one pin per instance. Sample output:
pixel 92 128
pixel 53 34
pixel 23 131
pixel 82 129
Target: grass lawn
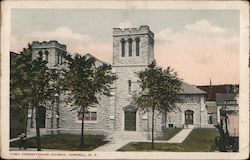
pixel 65 142
pixel 168 133
pixel 199 140
pixel 17 124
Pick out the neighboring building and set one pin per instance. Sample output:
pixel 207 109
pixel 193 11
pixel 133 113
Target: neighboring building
pixel 133 51
pixel 212 108
pixel 212 112
pixel 192 112
pixel 228 105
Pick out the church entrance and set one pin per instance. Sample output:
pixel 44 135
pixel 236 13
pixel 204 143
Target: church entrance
pixel 130 120
pixel 41 116
pixel 189 117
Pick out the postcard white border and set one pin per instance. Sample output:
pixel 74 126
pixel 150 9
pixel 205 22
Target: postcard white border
pixel 244 76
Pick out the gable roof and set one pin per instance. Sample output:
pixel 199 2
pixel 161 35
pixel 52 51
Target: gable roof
pixel 185 88
pixel 190 89
pixel 214 89
pixel 98 60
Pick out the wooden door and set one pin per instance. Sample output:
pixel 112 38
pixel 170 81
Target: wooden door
pixel 130 121
pixel 189 117
pixel 41 116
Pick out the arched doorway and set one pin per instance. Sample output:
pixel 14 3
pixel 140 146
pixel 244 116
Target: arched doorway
pixel 189 117
pixel 130 118
pixel 41 116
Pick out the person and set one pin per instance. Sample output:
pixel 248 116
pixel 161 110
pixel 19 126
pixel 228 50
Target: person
pixel 22 142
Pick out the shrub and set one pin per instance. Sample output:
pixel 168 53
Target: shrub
pixel 172 148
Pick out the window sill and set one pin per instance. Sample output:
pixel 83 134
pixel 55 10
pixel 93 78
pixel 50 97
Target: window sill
pixel 87 122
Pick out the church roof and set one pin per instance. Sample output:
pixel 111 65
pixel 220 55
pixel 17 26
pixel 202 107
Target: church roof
pixel 98 60
pixel 185 88
pixel 214 89
pixel 190 89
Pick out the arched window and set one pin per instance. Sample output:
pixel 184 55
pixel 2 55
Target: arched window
pixel 189 117
pixel 130 47
pixel 58 58
pixel 129 86
pixel 61 58
pixel 47 56
pixel 40 53
pixel 137 47
pixel 122 47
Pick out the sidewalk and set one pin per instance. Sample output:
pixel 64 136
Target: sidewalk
pixel 181 136
pixel 116 144
pixel 31 149
pixel 113 145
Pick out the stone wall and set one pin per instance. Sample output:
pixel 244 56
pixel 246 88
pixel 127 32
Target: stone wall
pixel 68 117
pixel 123 97
pixel 197 105
pixel 145 47
pixel 53 48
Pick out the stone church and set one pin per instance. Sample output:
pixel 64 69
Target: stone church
pixel 115 116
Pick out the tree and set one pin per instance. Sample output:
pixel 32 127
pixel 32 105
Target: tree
pixel 55 84
pixel 41 93
pixel 85 80
pixel 30 85
pixel 19 92
pixel 160 89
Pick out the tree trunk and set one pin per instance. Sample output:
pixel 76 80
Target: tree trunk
pixel 32 116
pixel 82 132
pixel 153 113
pixel 26 121
pixel 38 139
pixel 52 116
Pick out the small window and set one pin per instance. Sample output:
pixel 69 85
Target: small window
pixel 40 53
pixel 88 116
pixel 122 47
pixel 61 59
pixel 47 56
pixel 79 116
pixel 130 47
pixel 129 86
pixel 93 116
pixel 58 58
pixel 170 125
pixel 137 47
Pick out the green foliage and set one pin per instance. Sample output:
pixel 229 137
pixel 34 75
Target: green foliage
pixel 226 143
pixel 85 80
pixel 168 133
pixel 29 85
pixel 17 122
pixel 65 142
pixel 145 146
pixel 20 75
pixel 160 89
pixel 199 140
pixel 29 80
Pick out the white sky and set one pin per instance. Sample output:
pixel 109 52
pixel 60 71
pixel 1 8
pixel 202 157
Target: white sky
pixel 198 44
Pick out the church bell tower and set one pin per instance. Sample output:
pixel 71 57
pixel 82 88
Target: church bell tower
pixel 133 46
pixel 133 51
